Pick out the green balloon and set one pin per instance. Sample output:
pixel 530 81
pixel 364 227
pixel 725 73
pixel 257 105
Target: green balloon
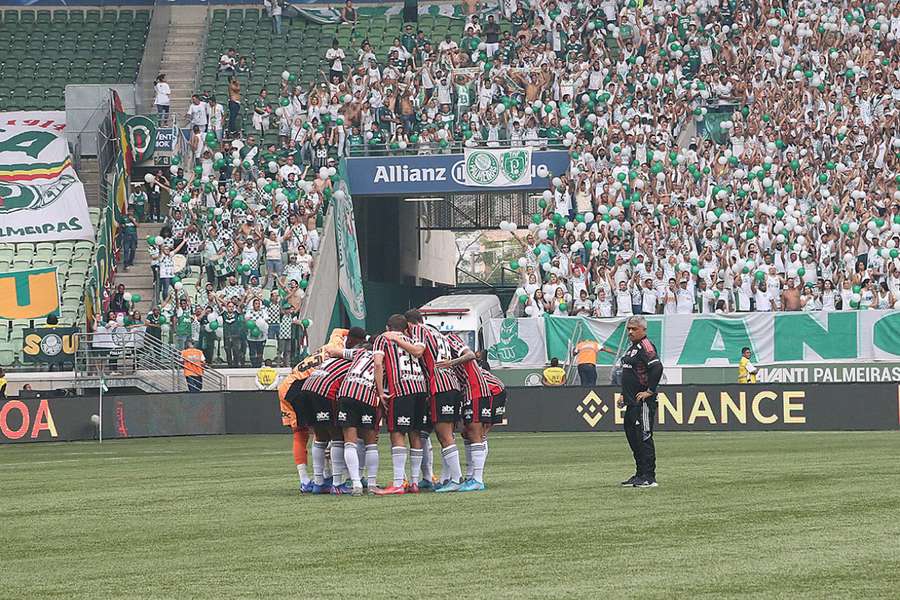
pixel 213 325
pixel 895 253
pixel 306 323
pixel 563 307
pixel 198 170
pixel 760 275
pixel 801 271
pixel 523 298
pixel 536 218
pixel 151 240
pixel 823 178
pixel 845 227
pixel 673 222
pixel 514 265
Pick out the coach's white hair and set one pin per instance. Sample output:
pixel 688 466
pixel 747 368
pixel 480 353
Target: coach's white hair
pixel 637 321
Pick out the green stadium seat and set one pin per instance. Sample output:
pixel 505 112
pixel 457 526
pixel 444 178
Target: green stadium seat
pixel 26 16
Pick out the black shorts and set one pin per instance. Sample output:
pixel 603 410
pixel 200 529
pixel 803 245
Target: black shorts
pixel 406 413
pixel 478 410
pixel 446 406
pixel 353 413
pixel 314 410
pixel 498 408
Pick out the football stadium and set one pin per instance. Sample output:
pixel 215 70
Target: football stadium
pixel 608 291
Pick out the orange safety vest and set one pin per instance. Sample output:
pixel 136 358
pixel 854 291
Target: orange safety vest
pixel 193 362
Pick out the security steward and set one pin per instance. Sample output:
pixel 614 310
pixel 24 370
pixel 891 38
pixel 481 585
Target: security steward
pixel 641 373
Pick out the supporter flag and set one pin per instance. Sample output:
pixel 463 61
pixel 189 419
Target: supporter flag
pixel 119 119
pixel 41 198
pixel 29 294
pixel 497 168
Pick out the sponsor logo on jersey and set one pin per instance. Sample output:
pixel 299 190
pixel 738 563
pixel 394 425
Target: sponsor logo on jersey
pixel 342 416
pixel 447 410
pixel 404 420
pixel 367 419
pixel 323 416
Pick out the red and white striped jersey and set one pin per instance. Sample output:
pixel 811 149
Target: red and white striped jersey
pixel 359 382
pixel 327 378
pixel 402 372
pixel 437 349
pixel 496 386
pixel 473 383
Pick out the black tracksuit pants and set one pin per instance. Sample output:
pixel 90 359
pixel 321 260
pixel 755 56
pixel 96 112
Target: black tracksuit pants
pixel 639 431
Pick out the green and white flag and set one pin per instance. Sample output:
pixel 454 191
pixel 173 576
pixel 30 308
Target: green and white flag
pixel 516 343
pixel 41 198
pixel 350 282
pixel 497 168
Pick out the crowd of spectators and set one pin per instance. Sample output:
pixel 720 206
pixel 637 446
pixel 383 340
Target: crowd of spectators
pixel 791 204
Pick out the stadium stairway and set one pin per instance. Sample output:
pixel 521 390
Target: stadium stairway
pixel 89 174
pixel 181 54
pixel 139 279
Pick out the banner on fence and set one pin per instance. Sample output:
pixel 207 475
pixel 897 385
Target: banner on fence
pixel 49 345
pixel 701 340
pixel 492 168
pixel 709 408
pixel 515 342
pixel 29 294
pixel 443 173
pixel 41 198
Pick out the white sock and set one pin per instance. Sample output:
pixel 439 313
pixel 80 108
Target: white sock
pixel 361 453
pixel 337 463
pixel 478 455
pixel 450 456
pixel 304 476
pixel 415 460
pixel 372 464
pixel 469 466
pixel 318 454
pixel 326 470
pixel 445 469
pixel 486 452
pixel 398 458
pixel 428 457
pixel 352 460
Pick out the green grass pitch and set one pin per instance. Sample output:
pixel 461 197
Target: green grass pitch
pixel 738 515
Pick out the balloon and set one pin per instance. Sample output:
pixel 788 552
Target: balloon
pixel 213 325
pixel 514 265
pixel 563 307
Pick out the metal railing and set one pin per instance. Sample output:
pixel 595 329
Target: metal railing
pixel 452 147
pixel 133 358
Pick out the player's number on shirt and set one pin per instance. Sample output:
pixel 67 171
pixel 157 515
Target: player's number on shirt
pixel 408 366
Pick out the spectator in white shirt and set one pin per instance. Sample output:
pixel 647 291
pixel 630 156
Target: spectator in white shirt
pixel 163 96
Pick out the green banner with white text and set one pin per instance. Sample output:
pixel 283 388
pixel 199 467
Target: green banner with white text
pixel 714 340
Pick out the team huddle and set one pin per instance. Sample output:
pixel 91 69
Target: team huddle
pixel 413 379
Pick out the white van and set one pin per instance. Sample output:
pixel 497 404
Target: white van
pixel 465 315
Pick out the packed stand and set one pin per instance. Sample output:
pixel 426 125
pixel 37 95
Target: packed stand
pixel 235 251
pixel 796 209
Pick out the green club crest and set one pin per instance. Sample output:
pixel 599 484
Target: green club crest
pixel 15 197
pixel 515 164
pixel 141 132
pixel 482 168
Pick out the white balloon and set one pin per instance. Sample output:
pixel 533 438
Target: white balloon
pixel 149 178
pixel 542 171
pixel 557 182
pixel 179 285
pixel 127 296
pixel 547 195
pixel 285 75
pixel 323 173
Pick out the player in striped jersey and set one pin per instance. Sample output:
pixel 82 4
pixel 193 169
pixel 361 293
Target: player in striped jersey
pixel 444 399
pixel 314 405
pixel 404 401
pixel 358 403
pixel 477 402
pixel 498 405
pixel 291 386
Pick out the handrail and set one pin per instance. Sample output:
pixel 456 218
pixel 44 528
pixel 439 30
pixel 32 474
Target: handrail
pixel 136 358
pixel 453 147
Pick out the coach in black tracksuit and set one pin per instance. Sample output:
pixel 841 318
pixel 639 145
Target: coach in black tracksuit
pixel 641 372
